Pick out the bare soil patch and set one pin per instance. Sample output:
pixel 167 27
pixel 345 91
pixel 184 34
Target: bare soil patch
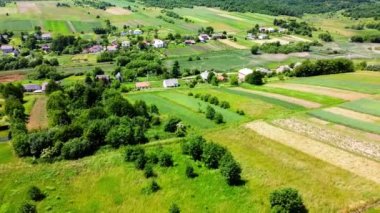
pixel 358 165
pixel 11 78
pixel 38 116
pixel 233 44
pixel 350 142
pixel 353 114
pixel 118 11
pixel 297 101
pixel 337 93
pixel 27 7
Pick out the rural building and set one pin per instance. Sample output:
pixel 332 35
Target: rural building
pixel 189 42
pixel 103 77
pixel 218 36
pixel 283 68
pixel 119 77
pixel 111 48
pixel 45 47
pixel 6 49
pixel 282 30
pixel 243 73
pixel 204 75
pixel 263 36
pixel 263 70
pixel 170 83
pixel 125 44
pixel 203 37
pixel 137 32
pixel 31 87
pixel 44 85
pixel 157 43
pixel 142 85
pixel 46 36
pixel 251 36
pixel 95 49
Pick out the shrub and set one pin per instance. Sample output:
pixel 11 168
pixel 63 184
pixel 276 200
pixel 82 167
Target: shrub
pixel 224 105
pixel 21 145
pixel 148 171
pixel 197 95
pixel 76 148
pixel 156 120
pixel 288 200
pixel 190 172
pixel 35 193
pixel 181 130
pixel 190 94
pixel 214 100
pixel 152 158
pixel 120 135
pixel 174 208
pixel 140 162
pixel 255 49
pixel 255 78
pixel 28 208
pixel 152 187
pixel 171 125
pixel 194 147
pixel 165 159
pixel 218 118
pixel 212 153
pixel 326 37
pixel 230 169
pixel 210 112
pixel 132 153
pixel 324 67
pixel 240 112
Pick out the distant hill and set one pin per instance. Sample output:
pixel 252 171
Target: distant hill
pixel 272 7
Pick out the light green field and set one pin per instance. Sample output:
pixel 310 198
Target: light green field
pixel 6 153
pixel 56 26
pixel 85 26
pixel 17 25
pixel 346 121
pixel 365 82
pixel 367 106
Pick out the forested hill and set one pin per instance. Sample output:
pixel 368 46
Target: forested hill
pixel 272 7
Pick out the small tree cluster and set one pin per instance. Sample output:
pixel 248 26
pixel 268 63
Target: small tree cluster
pixel 213 100
pixel 213 115
pixel 286 200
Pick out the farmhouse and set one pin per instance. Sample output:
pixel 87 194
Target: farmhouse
pixel 31 87
pixel 243 73
pixel 111 48
pixel 43 86
pixel 125 44
pixel 103 77
pixel 189 42
pixel 203 37
pixel 6 49
pixel 46 36
pixel 94 49
pixel 263 36
pixel 170 83
pixel 204 75
pixel 45 47
pixel 137 32
pixel 142 85
pixel 157 43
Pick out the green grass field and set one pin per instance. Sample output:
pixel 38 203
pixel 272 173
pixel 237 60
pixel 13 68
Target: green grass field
pixel 6 153
pixel 57 26
pixel 365 82
pixel 18 25
pixel 367 106
pixel 346 121
pixel 86 27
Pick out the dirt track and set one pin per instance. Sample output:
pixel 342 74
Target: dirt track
pixel 358 165
pixel 297 101
pixel 337 93
pixel 38 116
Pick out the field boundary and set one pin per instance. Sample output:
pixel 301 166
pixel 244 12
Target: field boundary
pixel 357 165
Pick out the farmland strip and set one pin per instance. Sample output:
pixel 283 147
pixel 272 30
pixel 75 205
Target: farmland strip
pixel 353 114
pixel 358 165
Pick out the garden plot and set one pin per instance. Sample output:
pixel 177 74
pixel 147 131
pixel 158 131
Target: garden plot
pixel 117 11
pixel 358 165
pixel 11 78
pixel 327 135
pixel 337 93
pixel 292 100
pixel 28 7
pixel 38 116
pixel 233 44
pixel 367 106
pixel 354 115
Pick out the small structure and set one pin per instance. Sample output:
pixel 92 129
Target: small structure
pixel 218 36
pixel 251 36
pixel 95 49
pixel 137 32
pixel 171 83
pixel 45 47
pixel 31 87
pixel 203 37
pixel 263 36
pixel 112 48
pixel 119 77
pixel 124 33
pixel 271 30
pixel 204 75
pixel 46 36
pixel 103 77
pixel 243 73
pixel 43 86
pixel 283 68
pixel 157 43
pixel 220 77
pixel 6 49
pixel 125 44
pixel 189 42
pixel 142 85
pixel 282 30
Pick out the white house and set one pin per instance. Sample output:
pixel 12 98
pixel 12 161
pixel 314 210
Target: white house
pixel 157 43
pixel 263 36
pixel 111 48
pixel 125 44
pixel 46 36
pixel 204 75
pixel 203 37
pixel 137 32
pixel 270 30
pixel 170 83
pixel 243 73
pixel 6 48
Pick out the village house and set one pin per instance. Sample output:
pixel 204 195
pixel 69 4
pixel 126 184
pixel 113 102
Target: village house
pixel 243 73
pixel 94 49
pixel 105 78
pixel 204 75
pixel 142 85
pixel 46 36
pixel 45 47
pixel 43 86
pixel 218 36
pixel 251 36
pixel 111 48
pixel 157 43
pixel 125 44
pixel 6 49
pixel 263 36
pixel 203 37
pixel 137 32
pixel 31 87
pixel 171 83
pixel 189 42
